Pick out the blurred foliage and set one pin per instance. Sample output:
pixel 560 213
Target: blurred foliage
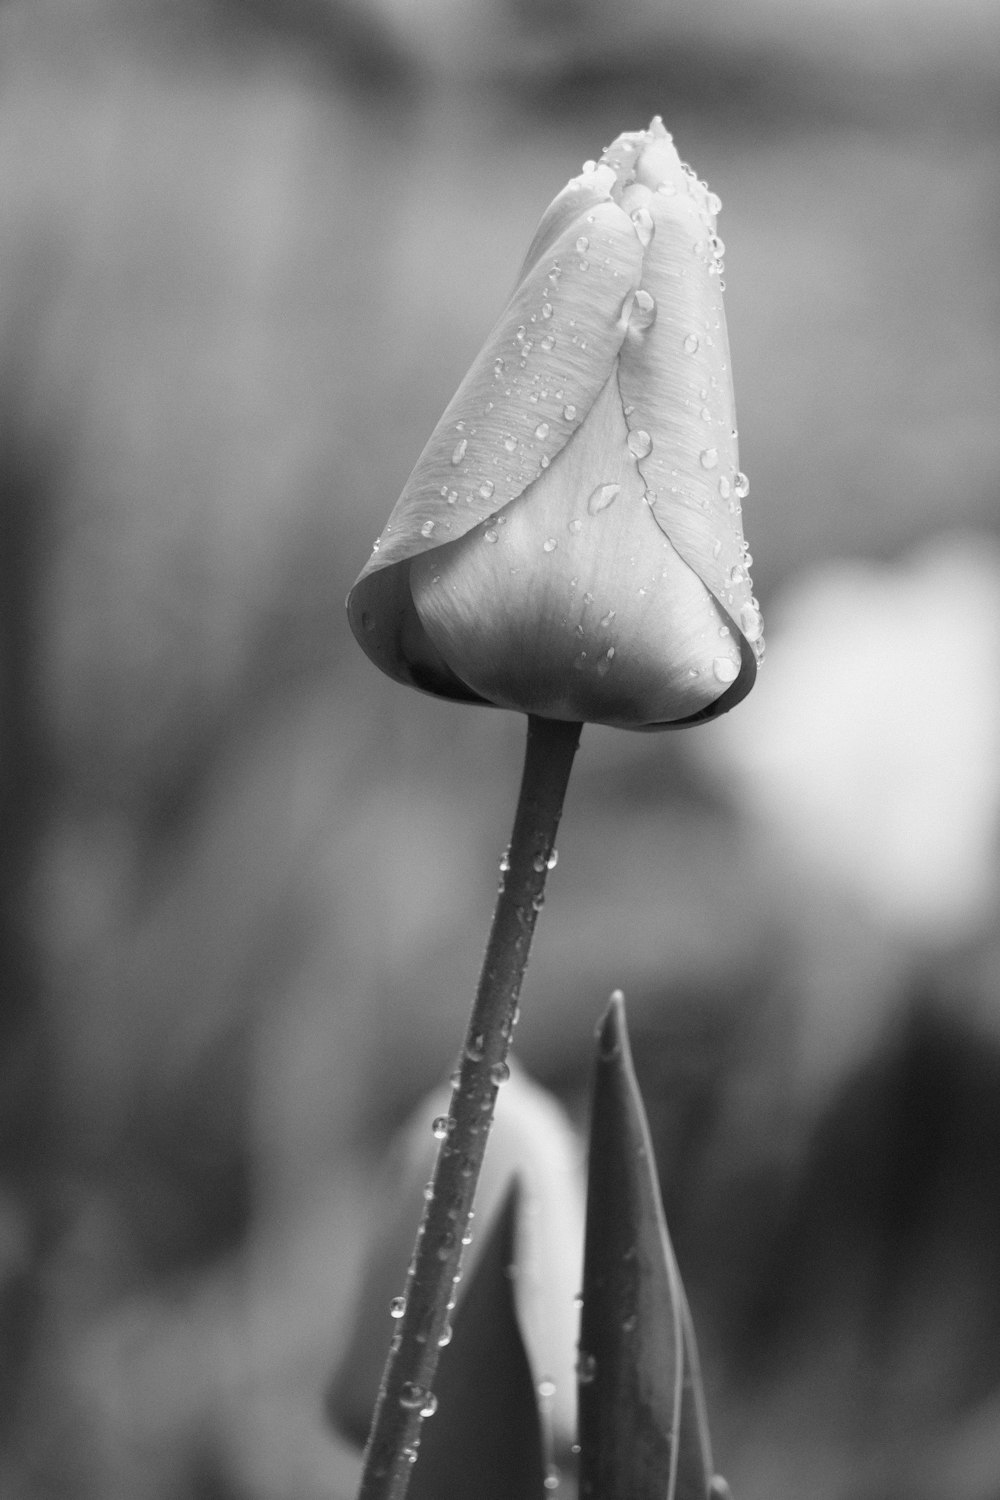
pixel 248 250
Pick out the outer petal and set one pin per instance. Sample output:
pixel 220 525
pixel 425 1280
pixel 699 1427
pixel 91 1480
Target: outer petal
pixel 536 378
pixel 573 604
pixel 675 375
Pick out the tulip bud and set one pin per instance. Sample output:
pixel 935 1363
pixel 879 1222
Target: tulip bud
pixel 570 543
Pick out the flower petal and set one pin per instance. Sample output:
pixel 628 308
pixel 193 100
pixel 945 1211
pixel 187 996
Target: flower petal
pixel 531 386
pixel 572 603
pixel 676 378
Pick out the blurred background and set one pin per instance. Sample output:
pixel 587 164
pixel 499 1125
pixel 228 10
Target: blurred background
pixel 248 249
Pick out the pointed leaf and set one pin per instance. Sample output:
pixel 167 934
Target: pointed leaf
pixel 643 1434
pixel 485 1440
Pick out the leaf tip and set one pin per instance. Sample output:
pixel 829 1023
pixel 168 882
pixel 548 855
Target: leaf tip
pixel 612 1034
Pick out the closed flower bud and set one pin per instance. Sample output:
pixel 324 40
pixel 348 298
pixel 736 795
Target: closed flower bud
pixel 570 543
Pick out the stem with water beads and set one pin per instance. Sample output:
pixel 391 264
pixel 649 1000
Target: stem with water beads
pixel 406 1395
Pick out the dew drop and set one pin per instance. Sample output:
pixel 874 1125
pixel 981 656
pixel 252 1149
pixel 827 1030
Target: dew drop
pixel 583 243
pixel 442 1127
pixel 642 223
pixel 397 1307
pixel 691 343
pixel 713 203
pixel 548 343
pixel 486 489
pixel 741 486
pixel 751 623
pixel 725 488
pixel 716 547
pixel 452 496
pixel 499 1073
pixel 459 451
pixel 709 458
pixel 412 1397
pixel 569 412
pixel 639 442
pixel 725 669
pixel 602 497
pixel 542 431
pixel 575 526
pixel 550 544
pixel 430 1404
pixel 491 535
pixel 444 1337
pixel 546 1388
pixel 427 529
pixel 474 1047
pixel 546 309
pixel 510 443
pixel 505 862
pixel 606 621
pixel 498 366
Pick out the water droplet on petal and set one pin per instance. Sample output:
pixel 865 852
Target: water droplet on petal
pixel 442 1126
pixel 742 486
pixel 602 497
pixel 725 669
pixel 427 529
pixel 639 442
pixel 499 1073
pixel 397 1307
pixel 491 535
pixel 550 544
pixel 474 1048
pixel 412 1396
pixel 691 343
pixel 569 412
pixel 510 443
pixel 606 621
pixel 546 309
pixel 642 222
pixel 583 243
pixel 548 343
pixel 751 623
pixel 546 1388
pixel 725 488
pixel 542 431
pixel 459 452
pixel 716 547
pixel 709 458
pixel 486 489
pixel 430 1405
pixel 575 526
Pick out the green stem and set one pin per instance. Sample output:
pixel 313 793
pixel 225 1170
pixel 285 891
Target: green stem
pixel 405 1395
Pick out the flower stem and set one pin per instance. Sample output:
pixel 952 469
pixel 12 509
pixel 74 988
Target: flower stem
pixel 405 1395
